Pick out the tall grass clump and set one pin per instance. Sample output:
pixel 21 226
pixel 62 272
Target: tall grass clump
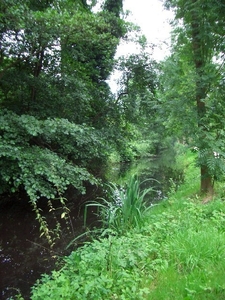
pixel 124 208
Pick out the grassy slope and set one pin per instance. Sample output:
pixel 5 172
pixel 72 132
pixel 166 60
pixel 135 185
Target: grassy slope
pixel 178 254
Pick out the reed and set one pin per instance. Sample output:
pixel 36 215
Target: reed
pixel 124 208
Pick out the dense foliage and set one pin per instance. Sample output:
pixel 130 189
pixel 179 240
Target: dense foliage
pixel 59 119
pixel 59 122
pixel 55 103
pixel 177 254
pixel 193 83
pixel 57 111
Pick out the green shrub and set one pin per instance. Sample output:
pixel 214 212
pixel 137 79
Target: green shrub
pixel 111 268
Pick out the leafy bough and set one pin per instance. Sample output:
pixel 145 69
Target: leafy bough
pixel 32 156
pixel 44 157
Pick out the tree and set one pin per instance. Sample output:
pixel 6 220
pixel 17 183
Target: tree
pixel 198 57
pixel 55 58
pixel 137 98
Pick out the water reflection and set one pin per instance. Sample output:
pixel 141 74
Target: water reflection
pixel 159 173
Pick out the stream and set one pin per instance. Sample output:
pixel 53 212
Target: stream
pixel 24 255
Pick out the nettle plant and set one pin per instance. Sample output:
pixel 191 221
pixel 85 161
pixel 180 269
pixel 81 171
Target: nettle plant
pixel 43 158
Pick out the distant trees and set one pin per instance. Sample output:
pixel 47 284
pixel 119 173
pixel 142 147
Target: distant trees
pixel 137 95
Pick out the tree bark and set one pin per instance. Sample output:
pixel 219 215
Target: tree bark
pixel 37 71
pixel 206 182
pixel 200 60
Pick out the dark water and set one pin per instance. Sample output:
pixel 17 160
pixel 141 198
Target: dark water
pixel 24 255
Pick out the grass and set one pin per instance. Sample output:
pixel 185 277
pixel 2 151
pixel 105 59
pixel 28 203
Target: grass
pixel 178 253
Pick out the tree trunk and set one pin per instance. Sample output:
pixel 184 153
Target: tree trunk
pixel 206 182
pixel 200 60
pixel 36 73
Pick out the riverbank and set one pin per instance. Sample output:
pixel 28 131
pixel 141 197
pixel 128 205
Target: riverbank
pixel 179 253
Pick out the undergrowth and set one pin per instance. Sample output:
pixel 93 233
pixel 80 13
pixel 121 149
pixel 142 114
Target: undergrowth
pixel 178 253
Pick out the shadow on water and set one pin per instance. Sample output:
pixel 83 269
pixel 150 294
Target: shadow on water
pixel 24 255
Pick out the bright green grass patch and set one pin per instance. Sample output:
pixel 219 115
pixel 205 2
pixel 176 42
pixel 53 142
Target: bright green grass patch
pixel 193 245
pixel 201 284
